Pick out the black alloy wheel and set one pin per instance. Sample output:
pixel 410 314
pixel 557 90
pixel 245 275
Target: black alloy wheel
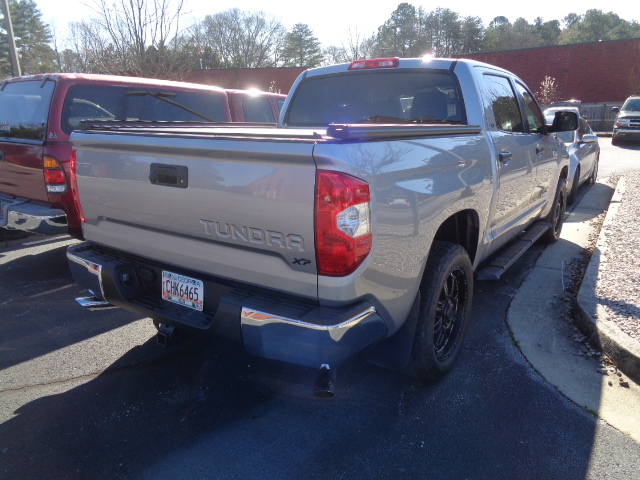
pixel 446 295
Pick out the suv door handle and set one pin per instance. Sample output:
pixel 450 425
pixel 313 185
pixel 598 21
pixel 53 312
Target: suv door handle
pixel 505 156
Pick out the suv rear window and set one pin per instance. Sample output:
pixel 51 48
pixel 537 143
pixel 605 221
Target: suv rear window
pixel 24 109
pixel 257 109
pixel 100 102
pixel 377 97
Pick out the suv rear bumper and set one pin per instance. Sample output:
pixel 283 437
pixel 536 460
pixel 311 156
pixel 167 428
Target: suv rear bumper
pixel 30 217
pixel 269 325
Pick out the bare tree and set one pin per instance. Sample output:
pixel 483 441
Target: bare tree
pixel 131 37
pixel 357 48
pixel 242 39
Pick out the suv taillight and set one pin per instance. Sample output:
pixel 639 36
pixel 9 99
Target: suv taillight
pixel 54 177
pixel 74 184
pixel 343 223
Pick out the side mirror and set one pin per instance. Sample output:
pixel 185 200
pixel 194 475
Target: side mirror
pixel 615 109
pixel 564 122
pixel 589 138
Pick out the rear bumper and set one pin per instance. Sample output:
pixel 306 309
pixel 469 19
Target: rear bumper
pixel 269 325
pixel 32 217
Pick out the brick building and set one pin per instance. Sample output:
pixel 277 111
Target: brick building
pixel 245 78
pixel 591 72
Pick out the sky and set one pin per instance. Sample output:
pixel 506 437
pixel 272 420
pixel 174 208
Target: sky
pixel 333 21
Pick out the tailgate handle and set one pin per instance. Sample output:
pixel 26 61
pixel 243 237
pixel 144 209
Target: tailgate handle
pixel 169 175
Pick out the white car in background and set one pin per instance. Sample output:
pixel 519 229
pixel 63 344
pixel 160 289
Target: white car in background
pixel 584 151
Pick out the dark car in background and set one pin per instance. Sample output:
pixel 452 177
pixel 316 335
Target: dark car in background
pixel 39 112
pixel 627 124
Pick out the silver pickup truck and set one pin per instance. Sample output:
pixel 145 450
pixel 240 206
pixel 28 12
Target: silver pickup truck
pixel 355 226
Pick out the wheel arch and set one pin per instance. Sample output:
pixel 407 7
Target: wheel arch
pixel 462 228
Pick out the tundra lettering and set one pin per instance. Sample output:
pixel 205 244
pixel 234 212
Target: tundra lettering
pixel 253 235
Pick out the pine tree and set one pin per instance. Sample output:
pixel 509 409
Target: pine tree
pixel 301 48
pixel 32 38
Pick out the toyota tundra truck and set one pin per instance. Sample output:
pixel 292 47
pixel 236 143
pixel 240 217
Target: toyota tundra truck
pixel 356 226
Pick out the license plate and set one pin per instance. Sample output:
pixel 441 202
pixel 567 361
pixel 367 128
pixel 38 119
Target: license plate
pixel 182 290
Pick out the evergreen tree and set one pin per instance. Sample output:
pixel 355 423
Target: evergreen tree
pixel 32 39
pixel 548 32
pixel 595 26
pixel 301 48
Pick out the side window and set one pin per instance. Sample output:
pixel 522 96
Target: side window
pixel 90 102
pixel 257 109
pixel 504 104
pixel 24 109
pixel 533 115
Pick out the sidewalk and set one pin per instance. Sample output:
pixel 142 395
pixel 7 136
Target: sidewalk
pixel 540 315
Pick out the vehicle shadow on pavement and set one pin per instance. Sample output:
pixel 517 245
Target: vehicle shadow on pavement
pixel 206 409
pixel 38 311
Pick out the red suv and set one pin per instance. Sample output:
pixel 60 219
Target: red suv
pixel 39 112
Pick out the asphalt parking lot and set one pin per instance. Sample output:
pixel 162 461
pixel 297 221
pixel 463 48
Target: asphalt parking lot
pixel 91 395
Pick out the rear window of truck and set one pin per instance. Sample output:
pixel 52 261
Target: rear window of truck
pixel 24 109
pixel 100 102
pixel 377 97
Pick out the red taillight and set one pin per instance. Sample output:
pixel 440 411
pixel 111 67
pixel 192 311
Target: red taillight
pixel 74 185
pixel 54 177
pixel 343 223
pixel 374 63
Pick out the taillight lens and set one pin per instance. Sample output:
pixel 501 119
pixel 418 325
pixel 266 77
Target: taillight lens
pixel 74 185
pixel 343 223
pixel 54 177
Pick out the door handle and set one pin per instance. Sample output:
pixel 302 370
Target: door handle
pixel 539 150
pixel 505 156
pixel 169 175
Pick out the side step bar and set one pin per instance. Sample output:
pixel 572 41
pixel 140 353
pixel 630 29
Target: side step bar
pixel 502 260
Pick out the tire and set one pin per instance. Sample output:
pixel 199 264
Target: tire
pixel 446 294
pixel 615 141
pixel 594 173
pixel 557 214
pixel 573 193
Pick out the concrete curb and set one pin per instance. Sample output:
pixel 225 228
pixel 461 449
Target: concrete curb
pixel 592 318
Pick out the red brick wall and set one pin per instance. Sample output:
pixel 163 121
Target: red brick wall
pixel 245 78
pixel 591 72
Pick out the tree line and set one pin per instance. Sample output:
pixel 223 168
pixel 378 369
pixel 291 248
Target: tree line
pixel 150 38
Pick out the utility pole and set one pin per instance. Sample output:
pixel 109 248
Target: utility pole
pixel 15 64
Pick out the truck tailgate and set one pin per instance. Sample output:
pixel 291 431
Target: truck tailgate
pixel 237 209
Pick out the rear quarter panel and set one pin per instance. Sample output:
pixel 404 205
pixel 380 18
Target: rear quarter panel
pixel 416 185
